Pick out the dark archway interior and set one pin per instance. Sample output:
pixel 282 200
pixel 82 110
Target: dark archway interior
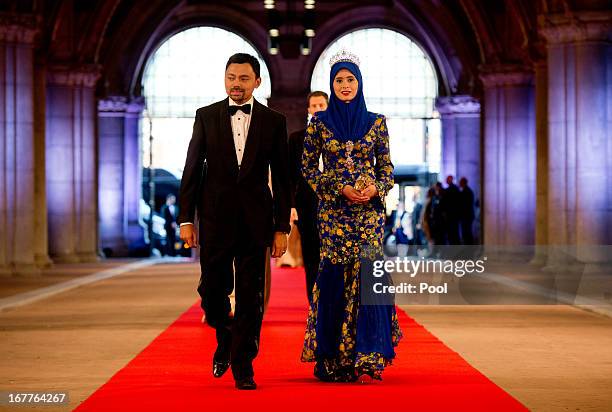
pixel 523 93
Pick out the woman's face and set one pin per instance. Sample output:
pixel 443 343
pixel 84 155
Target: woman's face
pixel 345 85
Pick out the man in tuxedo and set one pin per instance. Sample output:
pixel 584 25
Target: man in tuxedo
pixel 305 200
pixel 235 143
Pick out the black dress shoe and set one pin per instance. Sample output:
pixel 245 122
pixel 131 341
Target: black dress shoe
pixel 220 367
pixel 246 384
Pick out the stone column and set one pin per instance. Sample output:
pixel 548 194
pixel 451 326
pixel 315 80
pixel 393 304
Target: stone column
pixel 71 164
pixel 120 173
pixel 41 231
pixel 509 158
pixel 542 218
pixel 579 57
pixel 460 118
pixel 18 184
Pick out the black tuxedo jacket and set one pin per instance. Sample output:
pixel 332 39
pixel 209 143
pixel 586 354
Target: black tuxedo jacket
pixel 226 196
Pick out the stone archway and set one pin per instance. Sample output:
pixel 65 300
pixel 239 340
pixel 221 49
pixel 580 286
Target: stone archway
pixel 291 77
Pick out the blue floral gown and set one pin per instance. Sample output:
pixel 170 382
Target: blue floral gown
pixel 345 337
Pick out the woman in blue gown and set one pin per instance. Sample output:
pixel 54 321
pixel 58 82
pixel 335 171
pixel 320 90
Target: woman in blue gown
pixel 347 337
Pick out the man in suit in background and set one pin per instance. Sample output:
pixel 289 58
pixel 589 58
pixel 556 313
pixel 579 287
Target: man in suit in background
pixel 305 200
pixel 450 205
pixel 466 212
pixel 168 212
pixel 235 143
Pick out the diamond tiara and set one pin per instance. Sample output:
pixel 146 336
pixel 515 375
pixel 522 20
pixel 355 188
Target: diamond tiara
pixel 344 56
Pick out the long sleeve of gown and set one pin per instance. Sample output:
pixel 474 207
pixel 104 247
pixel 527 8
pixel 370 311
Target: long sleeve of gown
pixel 326 186
pixel 384 167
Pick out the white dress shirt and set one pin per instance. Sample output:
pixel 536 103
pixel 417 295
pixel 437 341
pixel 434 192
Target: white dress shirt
pixel 240 129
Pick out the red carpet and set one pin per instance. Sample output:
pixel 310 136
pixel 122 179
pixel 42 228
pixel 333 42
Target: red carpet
pixel 173 373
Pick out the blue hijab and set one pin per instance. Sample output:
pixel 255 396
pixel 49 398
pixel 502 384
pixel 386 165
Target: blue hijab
pixel 347 121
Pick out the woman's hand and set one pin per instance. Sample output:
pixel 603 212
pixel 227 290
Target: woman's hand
pixel 353 195
pixel 370 191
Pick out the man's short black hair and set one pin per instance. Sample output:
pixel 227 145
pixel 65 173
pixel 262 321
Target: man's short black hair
pixel 241 58
pixel 317 93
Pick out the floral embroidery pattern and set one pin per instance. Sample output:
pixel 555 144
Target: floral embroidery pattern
pixel 344 226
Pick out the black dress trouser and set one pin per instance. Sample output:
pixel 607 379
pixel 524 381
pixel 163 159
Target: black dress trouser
pixel 237 338
pixel 309 238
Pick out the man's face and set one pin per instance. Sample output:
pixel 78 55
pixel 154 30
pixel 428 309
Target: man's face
pixel 240 81
pixel 317 104
pixel 171 200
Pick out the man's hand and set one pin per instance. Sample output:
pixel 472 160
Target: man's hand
pixel 279 245
pixel 353 195
pixel 188 236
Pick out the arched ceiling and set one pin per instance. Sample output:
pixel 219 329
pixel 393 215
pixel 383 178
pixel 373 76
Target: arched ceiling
pixel 463 37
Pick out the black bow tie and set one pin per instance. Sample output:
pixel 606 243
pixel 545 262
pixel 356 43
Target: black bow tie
pixel 246 109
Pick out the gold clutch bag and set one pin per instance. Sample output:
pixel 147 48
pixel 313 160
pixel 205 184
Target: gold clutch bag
pixel 363 181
